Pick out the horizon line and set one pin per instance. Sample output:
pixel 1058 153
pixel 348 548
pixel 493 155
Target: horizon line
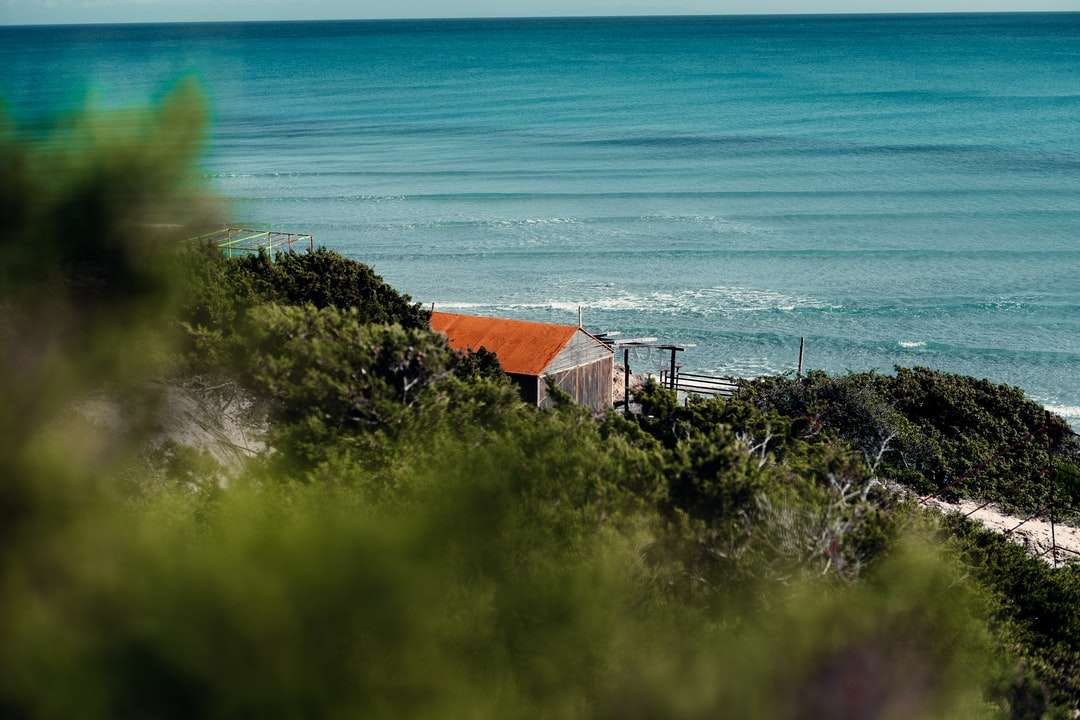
pixel 482 18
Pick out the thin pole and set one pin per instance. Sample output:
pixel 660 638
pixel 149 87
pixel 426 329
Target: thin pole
pixel 672 373
pixel 432 307
pixel 579 316
pixel 626 381
pixel 1053 535
pixel 802 344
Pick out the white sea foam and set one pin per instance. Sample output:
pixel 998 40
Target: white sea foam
pixel 747 368
pixel 1069 412
pixel 453 305
pixel 721 300
pixel 703 301
pixel 511 222
pixel 909 344
pixel 718 222
pixel 366 197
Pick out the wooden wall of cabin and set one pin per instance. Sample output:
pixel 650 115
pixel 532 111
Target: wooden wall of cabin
pixel 582 349
pixel 588 384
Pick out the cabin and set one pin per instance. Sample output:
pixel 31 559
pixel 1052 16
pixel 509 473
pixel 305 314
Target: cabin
pixel 533 352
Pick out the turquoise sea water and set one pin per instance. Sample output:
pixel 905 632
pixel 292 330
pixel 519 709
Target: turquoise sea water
pixel 898 190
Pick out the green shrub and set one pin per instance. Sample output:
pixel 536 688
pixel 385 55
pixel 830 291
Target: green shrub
pixel 1066 483
pixel 220 291
pixel 478 364
pixel 747 495
pixel 1037 611
pixel 331 377
pixel 938 432
pixel 324 279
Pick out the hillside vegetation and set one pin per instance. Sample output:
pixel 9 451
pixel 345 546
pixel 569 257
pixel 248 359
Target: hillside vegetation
pixel 419 543
pixel 939 433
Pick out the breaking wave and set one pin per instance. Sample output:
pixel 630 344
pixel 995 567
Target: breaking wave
pixel 704 301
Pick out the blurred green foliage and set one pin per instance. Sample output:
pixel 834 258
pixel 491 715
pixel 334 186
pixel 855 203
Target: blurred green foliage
pixel 416 542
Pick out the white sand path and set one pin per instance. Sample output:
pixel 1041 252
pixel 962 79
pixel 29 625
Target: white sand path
pixel 1036 535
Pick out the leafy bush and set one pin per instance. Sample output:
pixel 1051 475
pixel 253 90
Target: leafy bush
pixel 1066 484
pixel 748 496
pixel 324 279
pixel 478 365
pixel 935 431
pixel 1037 609
pixel 221 290
pixel 330 376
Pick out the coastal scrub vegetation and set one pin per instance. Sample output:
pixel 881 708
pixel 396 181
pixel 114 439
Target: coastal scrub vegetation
pixel 416 542
pixel 939 433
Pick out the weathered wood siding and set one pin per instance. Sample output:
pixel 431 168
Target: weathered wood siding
pixel 582 349
pixel 588 384
pixel 582 369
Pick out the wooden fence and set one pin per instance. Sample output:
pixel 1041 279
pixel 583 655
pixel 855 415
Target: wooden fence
pixel 240 240
pixel 695 384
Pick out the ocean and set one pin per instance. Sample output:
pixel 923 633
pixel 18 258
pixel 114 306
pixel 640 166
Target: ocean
pixel 897 190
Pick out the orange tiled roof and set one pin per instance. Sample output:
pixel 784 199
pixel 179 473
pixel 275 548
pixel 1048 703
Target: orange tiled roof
pixel 523 347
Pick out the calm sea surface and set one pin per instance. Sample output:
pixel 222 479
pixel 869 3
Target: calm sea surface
pixel 898 190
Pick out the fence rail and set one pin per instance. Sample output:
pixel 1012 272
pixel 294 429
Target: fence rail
pixel 696 384
pixel 234 240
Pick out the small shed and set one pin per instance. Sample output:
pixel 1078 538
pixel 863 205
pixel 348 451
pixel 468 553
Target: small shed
pixel 532 352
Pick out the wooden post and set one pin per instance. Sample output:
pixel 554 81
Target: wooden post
pixel 1053 536
pixel 672 372
pixel 802 344
pixel 626 381
pixel 432 307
